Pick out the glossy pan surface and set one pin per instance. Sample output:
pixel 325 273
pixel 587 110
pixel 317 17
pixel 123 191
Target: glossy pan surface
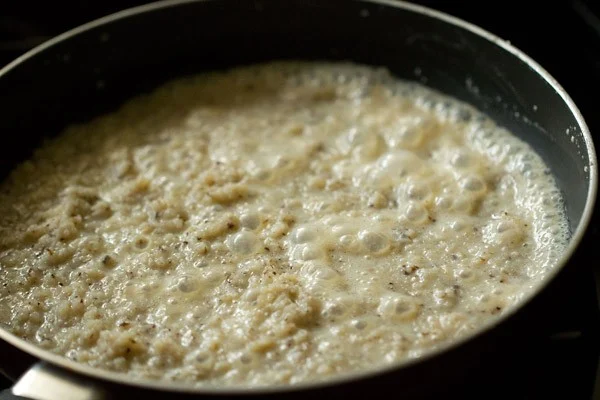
pixel 92 69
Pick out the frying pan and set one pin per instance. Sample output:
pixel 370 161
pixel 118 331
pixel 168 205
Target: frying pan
pixel 94 68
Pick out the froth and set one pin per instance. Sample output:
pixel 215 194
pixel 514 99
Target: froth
pixel 288 221
pixel 537 189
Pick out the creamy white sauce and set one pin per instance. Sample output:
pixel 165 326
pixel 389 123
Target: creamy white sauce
pixel 273 224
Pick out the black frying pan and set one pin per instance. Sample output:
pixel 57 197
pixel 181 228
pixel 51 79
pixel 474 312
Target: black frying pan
pixel 93 69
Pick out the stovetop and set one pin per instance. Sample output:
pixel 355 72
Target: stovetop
pixel 564 37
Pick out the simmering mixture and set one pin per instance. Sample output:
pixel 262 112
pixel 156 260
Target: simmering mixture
pixel 273 224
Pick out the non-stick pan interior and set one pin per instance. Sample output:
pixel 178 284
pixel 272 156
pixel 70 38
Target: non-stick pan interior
pixel 93 72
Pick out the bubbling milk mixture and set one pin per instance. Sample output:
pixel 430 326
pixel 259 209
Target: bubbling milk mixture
pixel 273 224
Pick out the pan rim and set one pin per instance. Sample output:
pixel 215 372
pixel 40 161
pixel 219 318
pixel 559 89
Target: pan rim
pixel 124 379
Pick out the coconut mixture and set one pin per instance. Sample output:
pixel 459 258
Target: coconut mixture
pixel 273 224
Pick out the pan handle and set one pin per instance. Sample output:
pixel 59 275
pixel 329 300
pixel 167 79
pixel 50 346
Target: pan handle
pixel 8 395
pixel 45 382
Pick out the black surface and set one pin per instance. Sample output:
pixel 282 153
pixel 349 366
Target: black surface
pixel 566 43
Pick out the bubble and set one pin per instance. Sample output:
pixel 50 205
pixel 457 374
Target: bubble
pixel 250 221
pixel 504 233
pixel 463 273
pixel 324 346
pixel 373 242
pixel 265 209
pixel 390 166
pixel 346 240
pixel 187 284
pixel 339 306
pixel 311 252
pixel 305 234
pixel 326 273
pixel 243 242
pixel 514 149
pixel 212 275
pixel 342 229
pixel 371 145
pixel 457 225
pixel 443 202
pixel 504 226
pixel 524 167
pixel 251 295
pixel 246 358
pixel 410 136
pixel 201 358
pixel 307 252
pixel 415 212
pixel 396 306
pixel 358 324
pixel 261 174
pixel 473 184
pixel 461 159
pixel 348 243
pixel 418 191
pixel 409 132
pixel 336 309
pixel 319 279
pixel 463 204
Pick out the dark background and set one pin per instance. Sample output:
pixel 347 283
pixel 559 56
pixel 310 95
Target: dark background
pixel 564 37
